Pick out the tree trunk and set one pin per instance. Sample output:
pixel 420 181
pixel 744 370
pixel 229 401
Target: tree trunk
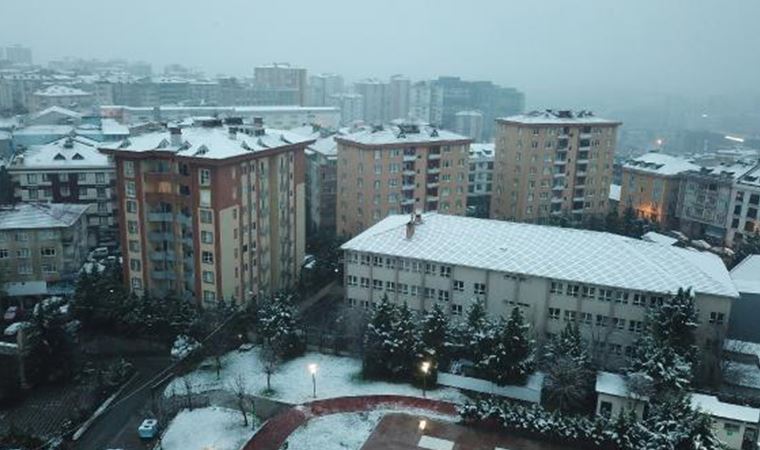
pixel 241 405
pixel 269 376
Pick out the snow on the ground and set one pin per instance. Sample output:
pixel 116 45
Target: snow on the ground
pixel 336 377
pixel 206 428
pixel 344 431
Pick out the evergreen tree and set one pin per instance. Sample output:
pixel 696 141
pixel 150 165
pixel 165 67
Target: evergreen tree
pixel 435 332
pixel 510 361
pixel 675 323
pixel 279 328
pixel 569 380
pixel 380 344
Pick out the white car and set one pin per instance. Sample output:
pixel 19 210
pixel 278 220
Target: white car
pixel 148 429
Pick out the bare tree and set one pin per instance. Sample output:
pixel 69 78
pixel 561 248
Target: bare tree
pixel 242 396
pixel 271 361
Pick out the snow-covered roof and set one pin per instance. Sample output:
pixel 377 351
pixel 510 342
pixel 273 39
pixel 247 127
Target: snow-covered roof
pixel 716 408
pixel 746 275
pixel 58 110
pixel 658 238
pixel 481 150
pixel 660 163
pixel 528 392
pixel 44 130
pixel 615 192
pixel 67 152
pixel 326 146
pixel 558 117
pixel 40 215
pixel 751 178
pixel 208 142
pixel 402 134
pixel 61 91
pixel 614 384
pixel 111 127
pixel 231 110
pixel 469 113
pixel 732 171
pixel 543 251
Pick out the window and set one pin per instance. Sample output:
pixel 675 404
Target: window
pixel 130 189
pixel 639 300
pixel 31 178
pixel 556 287
pixel 131 206
pixel 570 316
pixel 601 321
pixel 134 246
pixel 717 318
pixel 445 271
pixel 635 326
pixel 573 290
pixel 390 286
pixel 132 226
pixel 22 253
pixel 456 310
pixel 135 265
pixel 352 280
pixel 430 269
pixel 588 292
pixel 129 168
pixel 390 263
pixel 47 251
pixel 458 286
pixel 100 178
pixel 365 260
pixel 479 288
pixel 65 192
pixel 3 253
pixel 731 428
pixel 24 268
pixel 605 295
pixel 621 297
pixel 377 261
pixel 403 288
pixel 205 177
pixel 429 293
pixel 33 194
pixel 443 296
pixel 618 323
pixel 207 216
pixel 554 313
pixel 364 282
pixel 207 257
pixel 586 318
pixel 209 296
pixel 377 285
pixel 205 197
pixel 352 302
pixel 208 276
pixel 207 237
pixel 136 283
pixel 415 290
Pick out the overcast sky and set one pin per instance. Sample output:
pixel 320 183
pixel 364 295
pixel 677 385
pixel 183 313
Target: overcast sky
pixel 554 50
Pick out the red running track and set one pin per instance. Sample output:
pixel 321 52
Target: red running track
pixel 276 430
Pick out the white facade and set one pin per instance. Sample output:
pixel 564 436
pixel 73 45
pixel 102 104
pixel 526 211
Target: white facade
pixel 351 107
pixel 744 218
pixel 599 281
pixel 426 102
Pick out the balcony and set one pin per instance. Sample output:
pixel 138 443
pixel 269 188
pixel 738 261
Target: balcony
pixel 409 158
pixel 560 162
pixel 407 201
pixel 160 217
pixel 433 170
pixel 557 200
pixel 434 156
pixel 184 220
pixel 407 187
pixel 163 275
pixel 409 172
pixel 432 184
pixel 161 236
pixel 432 198
pixel 559 175
pixel 163 256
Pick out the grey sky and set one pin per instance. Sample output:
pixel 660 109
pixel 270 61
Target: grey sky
pixel 552 49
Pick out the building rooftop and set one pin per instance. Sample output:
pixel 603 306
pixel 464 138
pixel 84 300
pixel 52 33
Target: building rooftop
pixel 746 275
pixel 482 150
pixel 56 109
pixel 209 142
pixel 660 163
pixel 558 117
pixel 726 171
pixel 751 178
pixel 581 256
pixel 614 384
pixel 231 110
pixel 402 134
pixel 44 130
pixel 716 408
pixel 40 215
pixel 69 152
pixel 658 238
pixel 61 91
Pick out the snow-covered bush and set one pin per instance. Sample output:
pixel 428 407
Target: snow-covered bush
pixel 183 346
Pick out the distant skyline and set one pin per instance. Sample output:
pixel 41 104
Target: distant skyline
pixel 557 51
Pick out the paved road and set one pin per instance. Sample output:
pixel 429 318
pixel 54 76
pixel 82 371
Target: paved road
pixel 117 428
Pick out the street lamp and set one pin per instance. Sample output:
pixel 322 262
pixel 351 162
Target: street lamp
pixel 423 425
pixel 313 371
pixel 425 369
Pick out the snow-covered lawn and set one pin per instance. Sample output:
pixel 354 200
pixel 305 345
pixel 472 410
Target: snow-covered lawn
pixel 336 377
pixel 343 431
pixel 205 428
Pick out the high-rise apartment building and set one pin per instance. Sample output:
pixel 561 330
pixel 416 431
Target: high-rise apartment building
pixel 426 102
pixel 280 84
pixel 374 100
pixel 213 211
pixel 398 93
pixel 17 54
pixel 480 180
pixel 351 107
pixel 745 207
pixel 552 163
pixel 399 169
pixel 469 123
pixel 322 87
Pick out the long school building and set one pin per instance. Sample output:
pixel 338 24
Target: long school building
pixel 603 282
pixel 212 212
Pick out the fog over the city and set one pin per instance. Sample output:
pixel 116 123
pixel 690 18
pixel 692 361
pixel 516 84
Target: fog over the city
pixel 576 52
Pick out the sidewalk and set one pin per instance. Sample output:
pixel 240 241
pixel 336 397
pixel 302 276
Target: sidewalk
pixel 275 431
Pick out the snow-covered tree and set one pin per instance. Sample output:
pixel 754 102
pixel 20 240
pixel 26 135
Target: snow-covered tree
pixel 406 335
pixel 435 332
pixel 675 322
pixel 278 328
pixel 510 359
pixel 380 344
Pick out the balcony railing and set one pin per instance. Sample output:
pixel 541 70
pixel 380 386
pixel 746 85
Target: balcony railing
pixel 160 217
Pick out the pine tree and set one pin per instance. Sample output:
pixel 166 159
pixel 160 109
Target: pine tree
pixel 380 345
pixel 278 327
pixel 569 380
pixel 510 361
pixel 674 324
pixel 435 332
pixel 409 347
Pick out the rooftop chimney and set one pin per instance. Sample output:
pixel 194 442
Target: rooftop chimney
pixel 233 133
pixel 417 218
pixel 409 229
pixel 258 126
pixel 176 136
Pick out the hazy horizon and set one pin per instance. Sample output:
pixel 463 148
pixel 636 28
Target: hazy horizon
pixel 557 52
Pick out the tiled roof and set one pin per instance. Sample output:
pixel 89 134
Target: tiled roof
pixel 559 253
pixel 40 215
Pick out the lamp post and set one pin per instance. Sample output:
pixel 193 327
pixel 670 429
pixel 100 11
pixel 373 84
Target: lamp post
pixel 425 369
pixel 313 371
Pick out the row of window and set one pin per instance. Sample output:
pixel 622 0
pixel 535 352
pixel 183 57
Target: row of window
pixel 25 236
pixel 403 288
pixel 26 253
pixel 605 294
pixel 455 309
pixel 32 178
pixel 26 268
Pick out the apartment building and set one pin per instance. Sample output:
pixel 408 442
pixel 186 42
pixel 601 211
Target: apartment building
pixel 351 107
pixel 399 169
pixel 70 170
pixel 280 84
pixel 480 180
pixel 322 185
pixel 745 204
pixel 704 201
pixel 552 163
pixel 604 283
pixel 212 211
pixel 42 247
pixel 650 186
pixel 63 96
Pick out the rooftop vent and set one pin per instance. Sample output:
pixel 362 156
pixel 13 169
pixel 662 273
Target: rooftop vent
pixel 202 150
pixel 77 156
pixel 233 121
pixel 68 143
pixel 59 157
pixel 175 133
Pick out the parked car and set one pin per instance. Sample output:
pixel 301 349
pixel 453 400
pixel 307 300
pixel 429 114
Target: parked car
pixel 12 314
pixel 148 429
pixel 99 253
